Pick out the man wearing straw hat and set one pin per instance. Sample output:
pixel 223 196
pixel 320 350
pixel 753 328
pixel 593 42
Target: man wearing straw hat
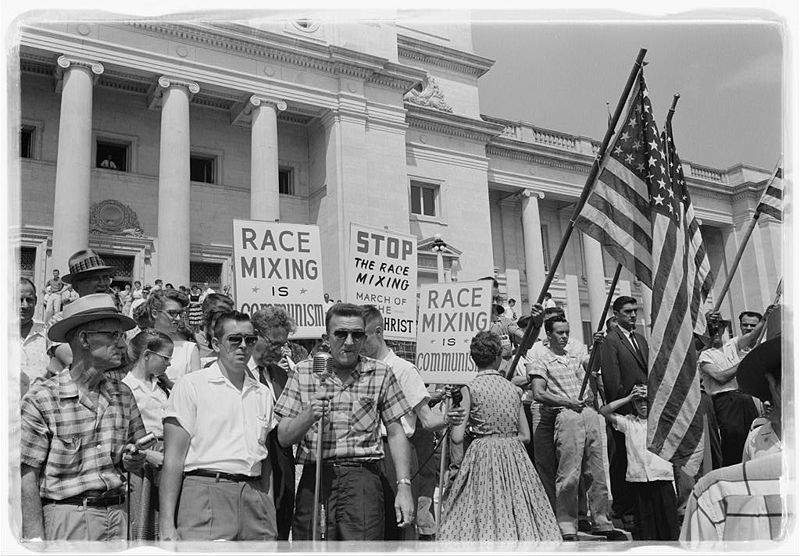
pixel 88 274
pixel 79 432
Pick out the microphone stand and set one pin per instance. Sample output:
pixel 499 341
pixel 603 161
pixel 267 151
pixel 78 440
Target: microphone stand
pixel 319 506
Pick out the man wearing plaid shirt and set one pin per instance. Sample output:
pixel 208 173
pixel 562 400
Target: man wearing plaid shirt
pixel 557 377
pixel 79 432
pixel 359 393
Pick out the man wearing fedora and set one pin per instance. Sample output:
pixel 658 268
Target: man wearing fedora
pixel 88 274
pixel 79 432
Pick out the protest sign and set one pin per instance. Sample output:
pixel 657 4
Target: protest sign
pixel 280 264
pixel 382 271
pixel 449 317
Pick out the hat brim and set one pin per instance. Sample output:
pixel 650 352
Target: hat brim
pixel 68 278
pixel 764 358
pixel 59 330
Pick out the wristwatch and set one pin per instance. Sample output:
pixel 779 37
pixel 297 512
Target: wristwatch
pixel 404 482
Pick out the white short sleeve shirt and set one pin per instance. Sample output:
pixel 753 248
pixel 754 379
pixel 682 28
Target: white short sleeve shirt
pixel 413 388
pixel 228 427
pixel 152 402
pixel 643 465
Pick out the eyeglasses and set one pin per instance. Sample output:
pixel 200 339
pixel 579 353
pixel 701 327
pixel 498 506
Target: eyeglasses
pixel 235 340
pixel 273 343
pixel 175 314
pixel 115 335
pixel 167 359
pixel 342 335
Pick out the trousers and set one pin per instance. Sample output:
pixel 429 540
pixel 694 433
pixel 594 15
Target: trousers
pixel 578 445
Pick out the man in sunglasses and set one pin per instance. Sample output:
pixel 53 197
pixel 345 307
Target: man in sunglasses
pixel 357 395
pixel 79 432
pixel 215 446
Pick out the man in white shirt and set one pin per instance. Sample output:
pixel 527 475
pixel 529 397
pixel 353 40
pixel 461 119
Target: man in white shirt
pixel 34 350
pixel 734 410
pixel 215 446
pixel 417 396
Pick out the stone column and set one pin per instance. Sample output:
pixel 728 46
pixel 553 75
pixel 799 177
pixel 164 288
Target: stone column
pixel 174 192
pixel 532 236
pixel 595 278
pixel 74 163
pixel 264 196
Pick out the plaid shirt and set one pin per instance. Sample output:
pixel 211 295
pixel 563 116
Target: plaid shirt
pixel 76 445
pixel 352 425
pixel 563 373
pixel 741 502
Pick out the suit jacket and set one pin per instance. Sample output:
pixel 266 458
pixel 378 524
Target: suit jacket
pixel 281 458
pixel 621 366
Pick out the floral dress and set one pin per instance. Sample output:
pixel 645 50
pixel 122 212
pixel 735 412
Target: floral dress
pixel 497 495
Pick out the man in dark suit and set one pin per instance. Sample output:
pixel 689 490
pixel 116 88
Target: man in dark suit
pixel 271 364
pixel 623 363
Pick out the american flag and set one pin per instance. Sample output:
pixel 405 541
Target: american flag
pixel 617 212
pixel 681 283
pixel 772 199
pixel 643 217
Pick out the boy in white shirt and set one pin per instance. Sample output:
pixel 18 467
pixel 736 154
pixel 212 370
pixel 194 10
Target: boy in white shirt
pixel 650 475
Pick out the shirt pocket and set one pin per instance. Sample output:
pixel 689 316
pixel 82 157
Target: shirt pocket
pixel 365 415
pixel 67 447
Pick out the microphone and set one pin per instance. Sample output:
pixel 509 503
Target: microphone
pixel 321 365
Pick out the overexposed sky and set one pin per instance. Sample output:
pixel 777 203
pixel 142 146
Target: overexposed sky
pixel 560 76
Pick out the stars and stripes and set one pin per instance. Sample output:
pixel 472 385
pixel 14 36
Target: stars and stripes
pixel 617 212
pixel 682 280
pixel 772 199
pixel 641 212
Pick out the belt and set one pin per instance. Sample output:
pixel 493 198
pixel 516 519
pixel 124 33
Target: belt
pixel 233 477
pixel 93 501
pixel 365 463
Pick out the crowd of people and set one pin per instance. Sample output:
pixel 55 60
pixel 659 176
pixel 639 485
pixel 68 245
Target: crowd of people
pixel 156 413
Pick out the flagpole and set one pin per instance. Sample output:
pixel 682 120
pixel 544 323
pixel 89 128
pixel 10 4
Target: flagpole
pixel 595 344
pixel 778 294
pixel 747 233
pixel 587 188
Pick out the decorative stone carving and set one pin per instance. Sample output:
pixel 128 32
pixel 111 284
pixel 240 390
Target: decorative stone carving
pixel 114 218
pixel 430 96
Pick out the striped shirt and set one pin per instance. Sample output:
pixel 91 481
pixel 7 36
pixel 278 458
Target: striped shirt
pixel 76 444
pixel 562 373
pixel 738 503
pixel 352 425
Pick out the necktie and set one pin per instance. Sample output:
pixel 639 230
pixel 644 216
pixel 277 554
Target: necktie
pixel 635 344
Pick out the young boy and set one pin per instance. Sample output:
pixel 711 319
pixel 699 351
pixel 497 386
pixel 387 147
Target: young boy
pixel 651 476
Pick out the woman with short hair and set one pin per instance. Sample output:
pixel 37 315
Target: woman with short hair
pixel 151 353
pixel 496 495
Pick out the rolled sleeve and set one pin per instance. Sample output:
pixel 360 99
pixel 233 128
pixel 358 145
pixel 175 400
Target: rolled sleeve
pixel 182 405
pixel 393 403
pixel 35 437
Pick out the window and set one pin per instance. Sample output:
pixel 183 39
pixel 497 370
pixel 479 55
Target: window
pixel 423 198
pixel 26 137
pixel 286 181
pixel 27 262
pixel 112 156
pixel 202 168
pixel 200 273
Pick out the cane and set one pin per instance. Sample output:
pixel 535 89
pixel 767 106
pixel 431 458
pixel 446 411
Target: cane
pixel 320 368
pixel 442 471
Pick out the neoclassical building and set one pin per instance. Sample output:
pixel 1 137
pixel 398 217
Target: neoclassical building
pixel 144 140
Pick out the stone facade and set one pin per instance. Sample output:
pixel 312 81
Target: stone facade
pixel 357 117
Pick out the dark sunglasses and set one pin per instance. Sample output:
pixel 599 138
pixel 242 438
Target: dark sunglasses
pixel 342 335
pixel 235 340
